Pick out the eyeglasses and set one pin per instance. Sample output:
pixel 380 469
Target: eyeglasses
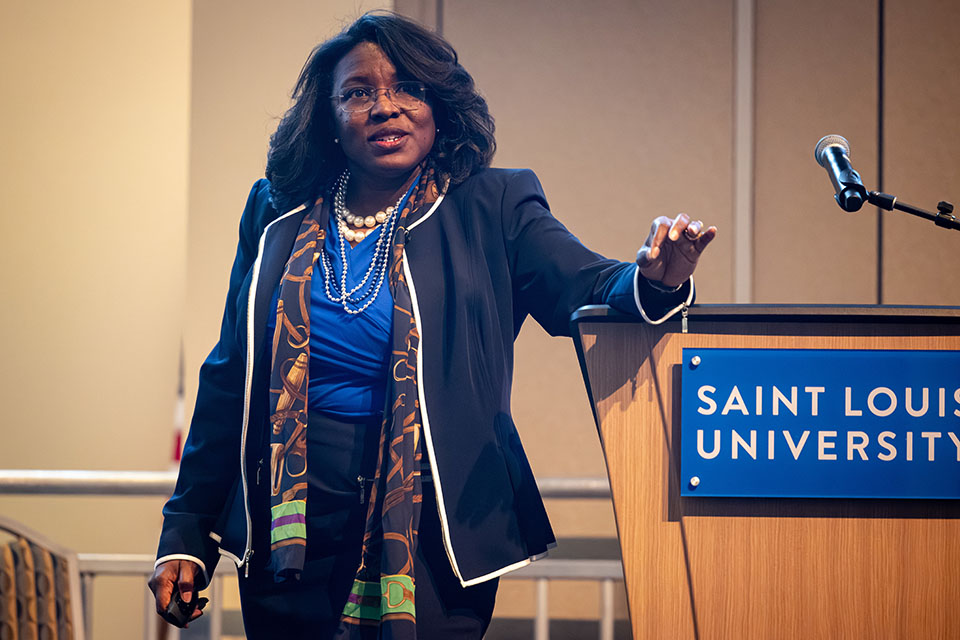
pixel 407 95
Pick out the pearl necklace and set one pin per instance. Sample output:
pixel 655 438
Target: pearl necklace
pixel 372 280
pixel 364 224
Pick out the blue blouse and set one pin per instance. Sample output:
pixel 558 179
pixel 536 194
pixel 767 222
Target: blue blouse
pixel 349 353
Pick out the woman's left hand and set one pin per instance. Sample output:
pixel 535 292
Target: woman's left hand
pixel 671 251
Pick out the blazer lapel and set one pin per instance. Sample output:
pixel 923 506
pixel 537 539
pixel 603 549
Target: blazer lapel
pixel 277 245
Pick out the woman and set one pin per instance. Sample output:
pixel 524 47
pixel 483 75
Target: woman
pixel 365 358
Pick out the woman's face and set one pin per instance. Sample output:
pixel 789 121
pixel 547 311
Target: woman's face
pixel 385 143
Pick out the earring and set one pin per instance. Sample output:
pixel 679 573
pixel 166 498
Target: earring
pixel 336 141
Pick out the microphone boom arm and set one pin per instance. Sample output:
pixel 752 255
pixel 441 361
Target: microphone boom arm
pixel 942 218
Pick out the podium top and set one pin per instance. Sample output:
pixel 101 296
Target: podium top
pixel 785 312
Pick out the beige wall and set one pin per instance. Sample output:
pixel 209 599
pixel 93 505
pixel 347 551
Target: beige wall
pixel 815 75
pixel 94 103
pixel 816 68
pixel 922 159
pixel 132 132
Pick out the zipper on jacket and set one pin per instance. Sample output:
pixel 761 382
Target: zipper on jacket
pixel 363 488
pixel 246 563
pixel 247 394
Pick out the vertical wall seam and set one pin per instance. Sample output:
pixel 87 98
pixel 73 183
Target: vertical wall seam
pixel 743 150
pixel 881 50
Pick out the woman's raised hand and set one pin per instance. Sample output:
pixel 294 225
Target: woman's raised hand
pixel 671 251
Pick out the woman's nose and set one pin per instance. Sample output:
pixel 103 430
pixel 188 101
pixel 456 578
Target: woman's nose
pixel 383 106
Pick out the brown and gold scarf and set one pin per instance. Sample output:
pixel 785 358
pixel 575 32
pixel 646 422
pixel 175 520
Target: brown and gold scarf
pixel 382 599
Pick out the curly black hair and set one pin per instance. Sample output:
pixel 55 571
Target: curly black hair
pixel 303 158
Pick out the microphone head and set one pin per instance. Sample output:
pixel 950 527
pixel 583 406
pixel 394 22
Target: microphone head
pixel 832 140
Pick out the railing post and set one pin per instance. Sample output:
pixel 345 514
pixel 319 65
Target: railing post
pixel 86 581
pixel 216 612
pixel 149 616
pixel 541 624
pixel 606 610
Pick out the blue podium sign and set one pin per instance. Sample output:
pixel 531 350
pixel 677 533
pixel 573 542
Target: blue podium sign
pixel 820 423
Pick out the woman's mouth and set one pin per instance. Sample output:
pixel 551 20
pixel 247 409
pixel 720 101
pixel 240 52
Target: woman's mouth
pixel 389 140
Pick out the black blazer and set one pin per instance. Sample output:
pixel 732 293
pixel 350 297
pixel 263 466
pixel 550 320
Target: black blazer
pixel 484 257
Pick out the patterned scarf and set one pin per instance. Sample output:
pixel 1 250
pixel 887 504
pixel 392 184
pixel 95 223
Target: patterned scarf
pixel 381 602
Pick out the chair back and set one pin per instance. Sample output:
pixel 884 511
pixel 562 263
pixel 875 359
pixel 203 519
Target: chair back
pixel 39 587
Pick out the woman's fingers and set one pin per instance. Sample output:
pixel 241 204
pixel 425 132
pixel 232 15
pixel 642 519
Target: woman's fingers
pixel 185 581
pixel 705 238
pixel 658 234
pixel 201 603
pixel 693 229
pixel 663 229
pixel 659 230
pixel 679 226
pixel 161 583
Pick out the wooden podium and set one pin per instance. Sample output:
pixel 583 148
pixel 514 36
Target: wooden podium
pixel 762 568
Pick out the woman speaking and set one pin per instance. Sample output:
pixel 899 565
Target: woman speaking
pixel 352 448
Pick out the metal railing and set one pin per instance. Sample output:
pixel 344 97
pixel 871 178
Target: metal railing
pixel 87 483
pixel 161 483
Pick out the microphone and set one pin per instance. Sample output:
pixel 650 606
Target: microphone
pixel 833 154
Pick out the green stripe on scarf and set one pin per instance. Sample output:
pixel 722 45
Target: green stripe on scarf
pixel 398 595
pixel 365 588
pixel 362 611
pixel 296 530
pixel 292 508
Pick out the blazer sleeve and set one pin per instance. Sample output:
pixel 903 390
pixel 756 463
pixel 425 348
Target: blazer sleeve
pixel 210 466
pixel 554 273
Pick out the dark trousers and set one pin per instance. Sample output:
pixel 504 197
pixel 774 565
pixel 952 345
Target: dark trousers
pixel 338 455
